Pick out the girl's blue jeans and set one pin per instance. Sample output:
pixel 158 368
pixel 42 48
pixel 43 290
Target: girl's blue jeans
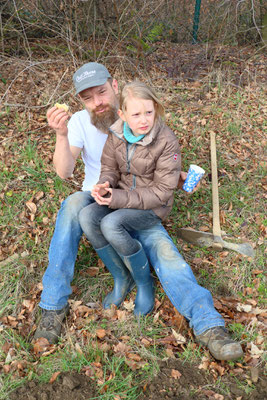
pixel 102 226
pixel 192 300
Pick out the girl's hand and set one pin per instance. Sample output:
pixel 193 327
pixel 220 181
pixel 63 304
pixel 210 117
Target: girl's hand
pixel 104 201
pixel 182 179
pixel 100 189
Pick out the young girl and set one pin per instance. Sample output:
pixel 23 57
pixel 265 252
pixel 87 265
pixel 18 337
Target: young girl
pixel 140 168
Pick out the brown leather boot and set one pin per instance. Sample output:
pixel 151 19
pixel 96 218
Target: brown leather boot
pixel 50 324
pixel 220 344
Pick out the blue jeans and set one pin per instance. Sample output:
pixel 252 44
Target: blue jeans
pixel 102 226
pixel 176 277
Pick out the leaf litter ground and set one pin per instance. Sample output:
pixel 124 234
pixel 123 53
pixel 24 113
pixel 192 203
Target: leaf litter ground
pixel 188 72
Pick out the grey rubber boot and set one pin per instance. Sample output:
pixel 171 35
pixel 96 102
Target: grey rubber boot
pixel 139 267
pixel 220 344
pixel 50 324
pixel 123 281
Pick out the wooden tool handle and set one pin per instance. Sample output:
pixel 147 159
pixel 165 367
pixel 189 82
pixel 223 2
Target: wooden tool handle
pixel 215 192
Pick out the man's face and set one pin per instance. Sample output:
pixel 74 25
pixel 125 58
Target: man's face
pixel 102 104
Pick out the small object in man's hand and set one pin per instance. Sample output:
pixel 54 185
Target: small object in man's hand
pixel 64 106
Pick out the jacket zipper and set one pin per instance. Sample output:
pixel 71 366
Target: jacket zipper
pixel 128 159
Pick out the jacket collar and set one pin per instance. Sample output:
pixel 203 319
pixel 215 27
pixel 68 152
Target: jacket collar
pixel 117 129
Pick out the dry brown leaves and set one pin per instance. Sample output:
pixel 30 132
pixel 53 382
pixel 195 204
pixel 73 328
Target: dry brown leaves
pixel 177 335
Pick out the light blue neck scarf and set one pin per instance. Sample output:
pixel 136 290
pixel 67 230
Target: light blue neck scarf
pixel 128 134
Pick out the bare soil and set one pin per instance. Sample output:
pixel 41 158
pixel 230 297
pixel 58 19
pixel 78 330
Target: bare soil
pixel 176 380
pixel 68 386
pixel 195 383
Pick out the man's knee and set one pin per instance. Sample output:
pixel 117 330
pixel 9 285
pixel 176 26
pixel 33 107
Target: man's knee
pixel 75 203
pixel 158 242
pixel 87 218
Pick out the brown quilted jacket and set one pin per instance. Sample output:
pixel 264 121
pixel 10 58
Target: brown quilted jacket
pixel 143 175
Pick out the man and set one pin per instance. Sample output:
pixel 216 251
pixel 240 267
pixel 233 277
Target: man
pixel 86 132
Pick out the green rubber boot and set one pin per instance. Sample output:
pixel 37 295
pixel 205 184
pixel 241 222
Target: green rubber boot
pixel 123 281
pixel 139 267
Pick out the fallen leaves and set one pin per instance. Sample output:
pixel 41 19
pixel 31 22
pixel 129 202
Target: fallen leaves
pixel 205 362
pixel 41 347
pixel 145 342
pixel 103 338
pixel 93 271
pixel 101 333
pixel 128 305
pixel 13 258
pixel 178 337
pixel 212 395
pixel 10 321
pixel 94 371
pixel 174 329
pixel 31 206
pixel 217 367
pixel 54 376
pixel 175 374
pixel 121 348
pixel 254 350
pixel 254 372
pixel 244 307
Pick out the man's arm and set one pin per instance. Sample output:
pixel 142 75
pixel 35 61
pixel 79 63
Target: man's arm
pixel 65 155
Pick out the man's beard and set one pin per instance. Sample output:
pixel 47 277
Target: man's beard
pixel 104 120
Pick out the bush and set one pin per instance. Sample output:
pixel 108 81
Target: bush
pixel 135 25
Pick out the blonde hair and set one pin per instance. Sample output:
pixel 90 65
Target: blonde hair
pixel 140 90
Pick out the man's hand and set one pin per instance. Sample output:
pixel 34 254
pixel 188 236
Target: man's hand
pixel 57 118
pixel 182 179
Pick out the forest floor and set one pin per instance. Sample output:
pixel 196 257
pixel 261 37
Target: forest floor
pixel 108 354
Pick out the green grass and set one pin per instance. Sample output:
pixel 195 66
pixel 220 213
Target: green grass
pixel 191 354
pixel 242 334
pixel 124 381
pixel 12 284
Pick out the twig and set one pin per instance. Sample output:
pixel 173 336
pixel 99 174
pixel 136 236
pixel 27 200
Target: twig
pixel 254 20
pixel 20 73
pixel 23 29
pixel 52 95
pixel 36 107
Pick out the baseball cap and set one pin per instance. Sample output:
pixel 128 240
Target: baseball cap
pixel 90 75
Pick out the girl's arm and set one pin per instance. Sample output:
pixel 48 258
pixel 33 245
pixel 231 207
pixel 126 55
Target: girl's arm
pixel 166 177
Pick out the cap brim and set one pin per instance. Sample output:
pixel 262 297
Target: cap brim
pixel 97 82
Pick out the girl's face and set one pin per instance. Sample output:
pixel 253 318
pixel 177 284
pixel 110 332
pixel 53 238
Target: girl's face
pixel 139 114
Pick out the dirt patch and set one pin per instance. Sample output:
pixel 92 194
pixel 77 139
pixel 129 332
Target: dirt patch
pixel 70 386
pixel 181 381
pixel 176 380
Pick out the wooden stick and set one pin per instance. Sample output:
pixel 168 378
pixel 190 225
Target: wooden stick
pixel 215 194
